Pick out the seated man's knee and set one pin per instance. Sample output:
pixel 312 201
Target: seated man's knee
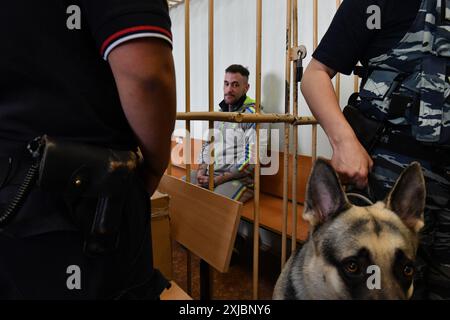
pixel 235 190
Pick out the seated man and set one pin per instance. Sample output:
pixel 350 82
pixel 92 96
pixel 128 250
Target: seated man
pixel 235 143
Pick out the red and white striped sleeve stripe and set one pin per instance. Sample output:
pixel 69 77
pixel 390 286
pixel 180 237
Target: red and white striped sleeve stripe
pixel 133 33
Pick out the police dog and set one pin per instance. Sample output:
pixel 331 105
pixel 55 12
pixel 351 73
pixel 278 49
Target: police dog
pixel 356 252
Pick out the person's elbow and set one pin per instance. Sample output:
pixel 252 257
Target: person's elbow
pixel 307 79
pixel 314 74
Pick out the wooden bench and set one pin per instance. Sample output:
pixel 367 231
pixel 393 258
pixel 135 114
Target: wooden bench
pixel 175 293
pixel 271 197
pixel 203 222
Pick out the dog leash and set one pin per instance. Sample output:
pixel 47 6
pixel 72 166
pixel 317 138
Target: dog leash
pixel 361 197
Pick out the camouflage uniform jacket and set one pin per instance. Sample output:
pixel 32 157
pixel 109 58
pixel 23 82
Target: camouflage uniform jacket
pixel 409 85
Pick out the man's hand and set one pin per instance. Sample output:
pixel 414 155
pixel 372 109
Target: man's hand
pixel 351 162
pixel 144 73
pixel 203 180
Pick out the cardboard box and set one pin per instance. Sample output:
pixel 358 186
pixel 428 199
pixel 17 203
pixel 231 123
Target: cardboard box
pixel 162 245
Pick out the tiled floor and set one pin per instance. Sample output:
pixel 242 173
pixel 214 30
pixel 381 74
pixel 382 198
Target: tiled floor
pixel 234 285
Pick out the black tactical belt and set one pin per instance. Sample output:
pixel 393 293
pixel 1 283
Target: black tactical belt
pixel 414 149
pixel 438 156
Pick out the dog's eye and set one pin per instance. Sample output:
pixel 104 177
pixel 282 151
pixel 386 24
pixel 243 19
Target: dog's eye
pixel 408 270
pixel 351 267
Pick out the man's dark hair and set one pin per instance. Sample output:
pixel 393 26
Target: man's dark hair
pixel 237 68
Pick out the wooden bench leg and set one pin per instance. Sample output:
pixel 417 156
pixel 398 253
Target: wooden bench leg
pixel 189 271
pixel 205 281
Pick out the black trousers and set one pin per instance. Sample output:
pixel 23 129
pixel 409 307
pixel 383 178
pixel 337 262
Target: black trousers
pixel 42 256
pixel 53 266
pixel 432 279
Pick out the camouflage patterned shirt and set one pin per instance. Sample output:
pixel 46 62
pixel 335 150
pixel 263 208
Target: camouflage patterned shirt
pixel 409 85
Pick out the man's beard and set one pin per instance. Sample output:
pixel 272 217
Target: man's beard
pixel 231 99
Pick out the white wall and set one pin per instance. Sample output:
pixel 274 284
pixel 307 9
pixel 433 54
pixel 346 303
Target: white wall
pixel 235 42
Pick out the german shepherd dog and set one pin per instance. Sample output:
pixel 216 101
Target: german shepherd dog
pixel 356 252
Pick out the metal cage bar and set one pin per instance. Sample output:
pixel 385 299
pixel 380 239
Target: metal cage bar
pixel 256 212
pixel 187 140
pixel 295 131
pixel 287 97
pixel 287 118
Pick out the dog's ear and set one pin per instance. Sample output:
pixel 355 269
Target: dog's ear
pixel 407 197
pixel 324 195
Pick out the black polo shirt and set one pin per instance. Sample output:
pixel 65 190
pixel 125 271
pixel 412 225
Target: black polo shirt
pixel 349 40
pixel 54 74
pixel 55 80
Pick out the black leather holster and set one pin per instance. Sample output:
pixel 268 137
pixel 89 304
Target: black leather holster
pixel 368 131
pixel 94 182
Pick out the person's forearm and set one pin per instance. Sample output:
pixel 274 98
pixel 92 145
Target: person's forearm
pixel 228 176
pixel 350 160
pixel 151 113
pixel 323 103
pixel 202 167
pixel 145 79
